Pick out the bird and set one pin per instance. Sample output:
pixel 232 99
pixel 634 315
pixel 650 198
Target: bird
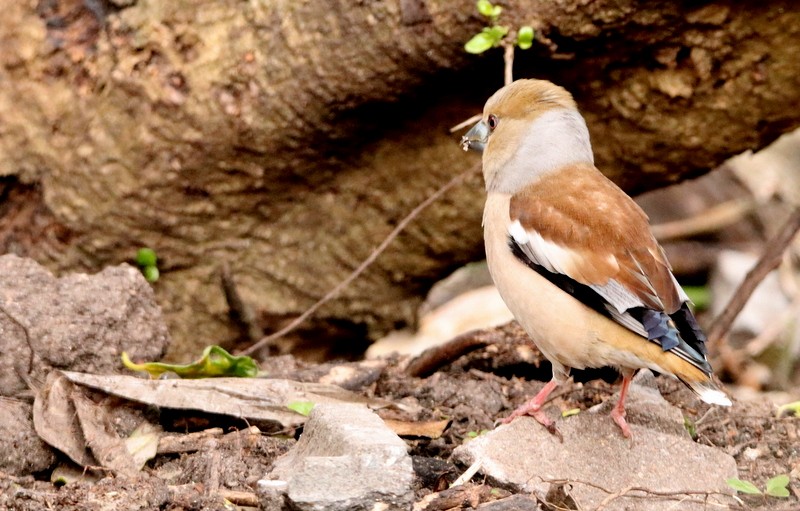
pixel 573 256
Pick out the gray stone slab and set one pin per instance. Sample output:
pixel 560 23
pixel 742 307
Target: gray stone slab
pixel 346 459
pixel 597 461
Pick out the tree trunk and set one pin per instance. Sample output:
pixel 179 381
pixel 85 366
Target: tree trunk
pixel 287 138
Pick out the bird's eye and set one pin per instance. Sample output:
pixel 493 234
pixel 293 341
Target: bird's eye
pixel 492 121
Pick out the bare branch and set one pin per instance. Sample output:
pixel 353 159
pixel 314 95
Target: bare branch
pixel 769 261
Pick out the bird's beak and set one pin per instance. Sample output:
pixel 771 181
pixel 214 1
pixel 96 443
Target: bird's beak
pixel 476 137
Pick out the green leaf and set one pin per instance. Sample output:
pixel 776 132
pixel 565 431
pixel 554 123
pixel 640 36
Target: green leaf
pixel 690 426
pixel 485 7
pixel 743 486
pixel 301 407
pixel 496 32
pixel 151 273
pixel 214 362
pixel 479 43
pixel 776 487
pixel 525 37
pixel 789 409
pixel 485 39
pixel 146 257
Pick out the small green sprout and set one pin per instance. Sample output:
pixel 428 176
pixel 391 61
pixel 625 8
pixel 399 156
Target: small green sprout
pixel 146 257
pixel 494 35
pixel 486 8
pixel 147 262
pixel 471 435
pixel 525 37
pixel 302 407
pixel 690 427
pixel 776 487
pixel 789 410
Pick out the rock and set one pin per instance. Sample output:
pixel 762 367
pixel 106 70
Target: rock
pixel 78 322
pixel 524 457
pixel 346 459
pixel 22 452
pixel 512 503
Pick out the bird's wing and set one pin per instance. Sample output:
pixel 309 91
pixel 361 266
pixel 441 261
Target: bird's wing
pixel 584 234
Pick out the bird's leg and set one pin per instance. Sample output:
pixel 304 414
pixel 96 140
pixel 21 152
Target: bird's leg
pixel 618 412
pixel 534 408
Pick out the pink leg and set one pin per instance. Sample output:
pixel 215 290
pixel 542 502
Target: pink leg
pixel 618 413
pixel 534 408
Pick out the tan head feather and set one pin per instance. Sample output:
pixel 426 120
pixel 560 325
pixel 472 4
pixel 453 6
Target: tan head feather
pixel 535 129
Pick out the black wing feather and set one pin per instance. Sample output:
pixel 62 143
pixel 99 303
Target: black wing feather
pixel 678 332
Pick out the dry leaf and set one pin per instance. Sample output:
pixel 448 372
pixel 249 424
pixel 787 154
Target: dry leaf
pixel 426 429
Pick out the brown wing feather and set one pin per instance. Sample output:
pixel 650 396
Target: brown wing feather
pixel 581 210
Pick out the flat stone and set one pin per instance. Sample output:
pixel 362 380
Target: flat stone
pixel 346 459
pixel 595 461
pixel 512 503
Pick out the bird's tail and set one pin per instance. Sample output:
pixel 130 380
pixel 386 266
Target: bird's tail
pixel 708 392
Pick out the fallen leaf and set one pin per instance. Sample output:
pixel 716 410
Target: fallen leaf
pixel 143 443
pixel 252 399
pixel 56 421
pixel 425 429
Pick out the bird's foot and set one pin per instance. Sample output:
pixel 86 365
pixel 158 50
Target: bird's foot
pixel 533 409
pixel 619 417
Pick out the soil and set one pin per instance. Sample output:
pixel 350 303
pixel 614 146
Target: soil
pixel 474 391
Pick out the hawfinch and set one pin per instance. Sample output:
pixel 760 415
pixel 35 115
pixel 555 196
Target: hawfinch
pixel 573 256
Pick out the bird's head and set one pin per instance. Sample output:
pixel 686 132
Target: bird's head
pixel 529 128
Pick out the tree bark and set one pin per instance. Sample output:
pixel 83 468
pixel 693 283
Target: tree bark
pixel 287 138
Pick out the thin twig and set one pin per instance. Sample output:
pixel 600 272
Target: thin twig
pixel 769 261
pixel 364 265
pixel 647 492
pixel 508 59
pixel 469 122
pixel 711 220
pixel 468 473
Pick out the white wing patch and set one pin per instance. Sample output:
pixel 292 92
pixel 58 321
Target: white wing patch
pixel 552 257
pixel 518 232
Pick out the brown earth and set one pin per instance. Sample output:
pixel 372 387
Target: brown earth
pixel 474 391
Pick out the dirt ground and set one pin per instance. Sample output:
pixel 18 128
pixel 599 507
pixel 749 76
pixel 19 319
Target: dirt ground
pixel 473 392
